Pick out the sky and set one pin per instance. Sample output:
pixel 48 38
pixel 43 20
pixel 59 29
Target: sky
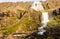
pixel 18 0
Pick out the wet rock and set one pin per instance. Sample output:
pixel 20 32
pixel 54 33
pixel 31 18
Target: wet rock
pixel 54 13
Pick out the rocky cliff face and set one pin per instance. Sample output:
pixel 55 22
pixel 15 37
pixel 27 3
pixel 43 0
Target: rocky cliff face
pixel 49 4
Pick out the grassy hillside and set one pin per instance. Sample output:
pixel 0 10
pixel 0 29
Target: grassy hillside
pixel 20 18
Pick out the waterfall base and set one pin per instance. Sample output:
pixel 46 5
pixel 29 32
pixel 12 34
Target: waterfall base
pixel 41 32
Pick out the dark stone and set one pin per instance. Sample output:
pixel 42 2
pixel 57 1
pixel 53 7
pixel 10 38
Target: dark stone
pixel 54 13
pixel 20 16
pixel 47 6
pixel 2 14
pixel 54 33
pixel 35 4
pixel 59 12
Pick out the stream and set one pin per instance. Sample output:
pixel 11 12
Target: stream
pixel 45 18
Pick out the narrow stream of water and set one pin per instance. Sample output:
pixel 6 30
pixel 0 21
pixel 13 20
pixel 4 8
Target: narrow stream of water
pixel 38 7
pixel 45 20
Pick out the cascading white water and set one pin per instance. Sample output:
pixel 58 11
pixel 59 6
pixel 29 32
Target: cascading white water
pixel 37 6
pixel 45 18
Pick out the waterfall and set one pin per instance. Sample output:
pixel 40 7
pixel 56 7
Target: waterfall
pixel 38 6
pixel 44 22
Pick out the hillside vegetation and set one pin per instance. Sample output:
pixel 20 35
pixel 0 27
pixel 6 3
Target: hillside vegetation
pixel 20 18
